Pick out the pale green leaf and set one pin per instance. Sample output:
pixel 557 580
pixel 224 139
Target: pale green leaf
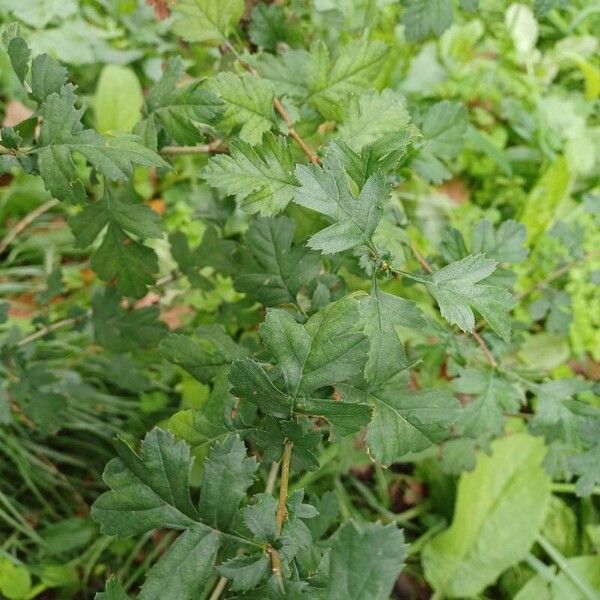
pixel 118 99
pixel 444 127
pixel 457 290
pixel 372 115
pixel 47 77
pixel 262 178
pixel 248 105
pixel 209 21
pixel 178 109
pixel 62 134
pixel 250 382
pixel 562 587
pixel 245 572
pixel 500 508
pixel 504 244
pixel 408 422
pixel 210 423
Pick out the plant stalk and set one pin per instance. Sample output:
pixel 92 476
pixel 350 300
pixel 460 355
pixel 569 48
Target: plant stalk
pixel 281 514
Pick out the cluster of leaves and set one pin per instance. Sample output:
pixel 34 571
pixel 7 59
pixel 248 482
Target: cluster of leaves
pixel 328 310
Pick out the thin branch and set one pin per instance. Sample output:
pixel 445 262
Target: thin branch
pixel 293 133
pixel 283 486
pixel 218 589
pixel 556 274
pixel 272 478
pixel 216 147
pixel 27 220
pixel 424 264
pixel 485 349
pixel 278 106
pixel 281 515
pixel 40 333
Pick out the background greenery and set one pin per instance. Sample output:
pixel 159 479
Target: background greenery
pixel 503 102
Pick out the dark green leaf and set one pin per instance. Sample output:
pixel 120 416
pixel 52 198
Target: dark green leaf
pixel 203 355
pixel 261 179
pixel 149 489
pixel 365 561
pixel 227 476
pixel 326 190
pixel 274 270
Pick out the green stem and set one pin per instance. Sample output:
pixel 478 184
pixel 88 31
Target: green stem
pixel 569 488
pixel 566 568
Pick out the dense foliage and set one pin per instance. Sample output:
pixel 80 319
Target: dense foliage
pixel 300 299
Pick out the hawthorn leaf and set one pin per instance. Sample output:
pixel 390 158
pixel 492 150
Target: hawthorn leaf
pixel 406 422
pixel 494 396
pixel 500 508
pixel 250 382
pixel 272 435
pixel 121 207
pixel 132 264
pixel 210 423
pixel 345 418
pixel 268 26
pixel 19 54
pixel 178 109
pixel 423 18
pixel 383 154
pixel 48 76
pixel 273 269
pixel 457 290
pixel 245 572
pixel 62 134
pixel 209 21
pixel 248 105
pixel 327 350
pixel 10 139
pixel 505 244
pixel 382 313
pixel 148 490
pixel 326 190
pixel 365 561
pixel 216 252
pixel 372 115
pixel 260 517
pixel 113 591
pixel 587 467
pixel 328 509
pixel 203 355
pixel 189 262
pixel 261 179
pixel 227 476
pixel 352 71
pixel 185 568
pixel 121 330
pixel 443 127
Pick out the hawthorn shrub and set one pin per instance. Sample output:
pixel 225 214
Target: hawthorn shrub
pixel 339 259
